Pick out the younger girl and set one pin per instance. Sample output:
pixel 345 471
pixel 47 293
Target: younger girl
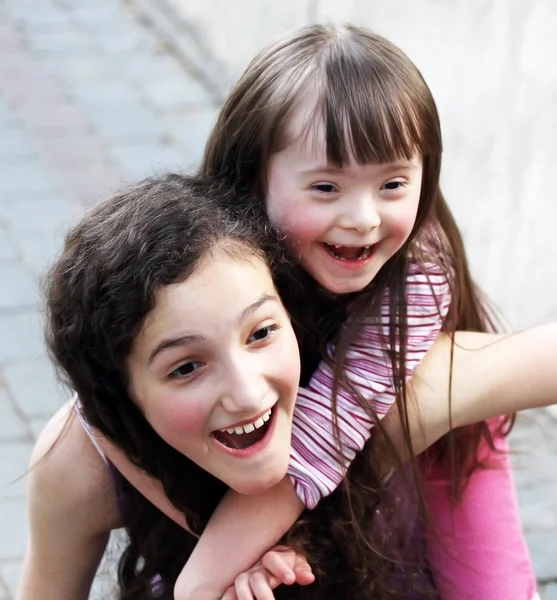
pixel 338 134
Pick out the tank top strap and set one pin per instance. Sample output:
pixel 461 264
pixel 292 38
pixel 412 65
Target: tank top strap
pixel 91 433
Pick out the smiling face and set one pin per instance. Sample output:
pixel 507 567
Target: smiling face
pixel 343 223
pixel 216 368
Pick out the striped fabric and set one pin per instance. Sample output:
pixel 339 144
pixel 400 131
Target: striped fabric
pixel 314 466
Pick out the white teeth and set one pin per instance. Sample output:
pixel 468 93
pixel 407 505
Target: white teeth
pixel 365 251
pixel 249 427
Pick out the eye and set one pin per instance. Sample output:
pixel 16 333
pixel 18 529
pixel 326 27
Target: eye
pixel 263 333
pixel 185 370
pixel 394 185
pixel 324 188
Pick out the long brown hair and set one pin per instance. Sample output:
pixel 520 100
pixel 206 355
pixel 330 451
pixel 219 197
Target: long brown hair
pixel 374 106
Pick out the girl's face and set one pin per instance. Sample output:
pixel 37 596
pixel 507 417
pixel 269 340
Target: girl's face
pixel 343 223
pixel 215 370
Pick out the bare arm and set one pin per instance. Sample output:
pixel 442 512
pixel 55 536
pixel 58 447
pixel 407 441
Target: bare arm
pixel 71 508
pixel 492 375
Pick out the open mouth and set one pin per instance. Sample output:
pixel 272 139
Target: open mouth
pixel 350 253
pixel 246 435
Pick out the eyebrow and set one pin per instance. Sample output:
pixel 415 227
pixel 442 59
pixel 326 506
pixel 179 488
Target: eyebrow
pixel 177 342
pixel 249 310
pixel 189 339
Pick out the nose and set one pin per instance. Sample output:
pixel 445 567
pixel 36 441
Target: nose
pixel 244 386
pixel 360 213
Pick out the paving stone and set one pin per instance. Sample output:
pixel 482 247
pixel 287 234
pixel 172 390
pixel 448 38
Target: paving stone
pixel 106 94
pixel 549 592
pixel 18 288
pixel 125 123
pixel 11 574
pixel 23 12
pixel 543 548
pixel 42 213
pixel 13 525
pixel 50 118
pixel 68 40
pixel 123 40
pixel 148 159
pixel 21 336
pixel 191 130
pixel 40 248
pixel 99 15
pixel 152 67
pixel 13 481
pixel 78 68
pixel 17 180
pixel 24 87
pixel 34 387
pixel 171 95
pixel 89 186
pixel 76 149
pixel 12 427
pixel 16 146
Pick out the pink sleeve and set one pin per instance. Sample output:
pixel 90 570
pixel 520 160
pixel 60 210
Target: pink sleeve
pixel 477 548
pixel 314 467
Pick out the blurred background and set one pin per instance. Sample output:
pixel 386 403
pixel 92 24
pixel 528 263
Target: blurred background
pixel 96 93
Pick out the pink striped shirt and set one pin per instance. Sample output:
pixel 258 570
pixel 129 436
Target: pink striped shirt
pixel 314 466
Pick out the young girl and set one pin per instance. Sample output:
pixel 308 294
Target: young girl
pixel 165 369
pixel 337 132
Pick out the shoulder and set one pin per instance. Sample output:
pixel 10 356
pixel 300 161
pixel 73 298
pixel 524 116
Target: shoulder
pixel 68 479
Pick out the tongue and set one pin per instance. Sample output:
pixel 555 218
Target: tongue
pixel 241 441
pixel 346 252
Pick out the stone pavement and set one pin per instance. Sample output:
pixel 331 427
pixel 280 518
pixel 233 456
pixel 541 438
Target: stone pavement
pixel 92 95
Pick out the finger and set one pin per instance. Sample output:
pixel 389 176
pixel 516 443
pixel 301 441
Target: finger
pixel 303 571
pixel 230 594
pixel 280 565
pixel 261 586
pixel 242 587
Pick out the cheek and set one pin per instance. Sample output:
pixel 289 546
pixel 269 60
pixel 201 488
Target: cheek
pixel 178 418
pixel 287 365
pixel 296 218
pixel 402 221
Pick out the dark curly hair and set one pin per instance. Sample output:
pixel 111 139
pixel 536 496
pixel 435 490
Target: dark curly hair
pixel 99 293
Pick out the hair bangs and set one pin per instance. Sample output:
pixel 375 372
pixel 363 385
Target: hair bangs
pixel 370 111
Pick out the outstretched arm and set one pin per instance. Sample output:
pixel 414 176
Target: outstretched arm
pixel 492 375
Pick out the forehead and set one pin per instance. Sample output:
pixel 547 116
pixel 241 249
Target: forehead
pixel 305 130
pixel 209 302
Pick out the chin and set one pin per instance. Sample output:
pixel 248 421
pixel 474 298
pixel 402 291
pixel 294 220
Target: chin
pixel 345 287
pixel 258 485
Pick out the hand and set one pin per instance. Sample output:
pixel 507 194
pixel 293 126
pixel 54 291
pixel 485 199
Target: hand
pixel 281 565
